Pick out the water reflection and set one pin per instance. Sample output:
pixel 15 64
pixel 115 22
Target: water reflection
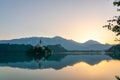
pixel 59 67
pixel 105 70
pixel 56 61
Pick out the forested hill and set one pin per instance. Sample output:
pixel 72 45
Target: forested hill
pixel 14 47
pixel 115 49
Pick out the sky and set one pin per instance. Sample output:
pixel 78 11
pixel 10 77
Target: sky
pixel 79 20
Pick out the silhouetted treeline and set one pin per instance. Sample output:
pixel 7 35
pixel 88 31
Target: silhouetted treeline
pixel 22 48
pixel 115 52
pixel 115 49
pixel 13 52
pixel 17 52
pixel 13 48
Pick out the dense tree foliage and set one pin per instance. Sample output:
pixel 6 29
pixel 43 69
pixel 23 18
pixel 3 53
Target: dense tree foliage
pixel 13 48
pixel 13 52
pixel 114 24
pixel 21 52
pixel 118 78
pixel 114 52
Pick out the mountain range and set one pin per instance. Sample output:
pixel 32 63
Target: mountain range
pixel 66 43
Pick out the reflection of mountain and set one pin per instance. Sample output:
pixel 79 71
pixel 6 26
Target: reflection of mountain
pixel 70 60
pixel 67 44
pixel 58 61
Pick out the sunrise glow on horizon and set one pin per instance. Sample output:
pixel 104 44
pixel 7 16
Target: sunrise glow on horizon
pixel 79 20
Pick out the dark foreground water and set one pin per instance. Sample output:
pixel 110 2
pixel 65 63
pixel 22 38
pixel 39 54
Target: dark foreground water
pixel 61 67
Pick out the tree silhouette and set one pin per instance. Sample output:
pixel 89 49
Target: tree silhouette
pixel 118 78
pixel 114 24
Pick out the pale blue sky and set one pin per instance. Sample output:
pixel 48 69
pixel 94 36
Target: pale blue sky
pixel 79 20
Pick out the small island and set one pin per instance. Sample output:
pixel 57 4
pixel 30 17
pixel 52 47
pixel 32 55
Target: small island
pixel 39 51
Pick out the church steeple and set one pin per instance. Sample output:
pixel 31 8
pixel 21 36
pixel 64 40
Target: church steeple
pixel 40 41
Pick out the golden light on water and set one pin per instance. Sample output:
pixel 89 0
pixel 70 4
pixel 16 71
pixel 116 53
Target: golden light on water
pixel 105 70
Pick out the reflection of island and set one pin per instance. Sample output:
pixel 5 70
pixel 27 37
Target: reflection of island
pixel 57 61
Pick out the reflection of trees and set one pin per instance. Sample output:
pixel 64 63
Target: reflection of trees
pixel 114 24
pixel 114 55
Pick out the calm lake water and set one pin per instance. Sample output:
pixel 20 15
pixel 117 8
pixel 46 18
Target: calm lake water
pixel 61 67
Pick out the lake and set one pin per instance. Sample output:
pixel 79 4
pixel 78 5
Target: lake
pixel 60 67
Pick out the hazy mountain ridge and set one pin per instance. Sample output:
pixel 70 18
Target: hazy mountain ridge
pixel 90 42
pixel 66 43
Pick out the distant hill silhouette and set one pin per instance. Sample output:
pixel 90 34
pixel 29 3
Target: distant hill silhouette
pixel 57 48
pixel 66 43
pixel 90 42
